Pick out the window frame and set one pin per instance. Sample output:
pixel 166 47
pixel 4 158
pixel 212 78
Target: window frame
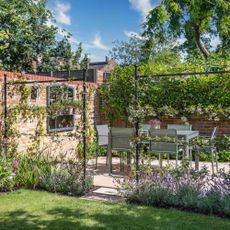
pixel 51 130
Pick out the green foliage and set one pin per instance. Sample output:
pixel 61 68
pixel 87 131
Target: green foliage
pixel 205 95
pixel 132 51
pixel 8 171
pixel 30 171
pixel 197 21
pixel 24 33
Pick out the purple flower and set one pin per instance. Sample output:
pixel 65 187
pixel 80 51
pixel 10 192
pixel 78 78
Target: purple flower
pixel 154 122
pixel 15 166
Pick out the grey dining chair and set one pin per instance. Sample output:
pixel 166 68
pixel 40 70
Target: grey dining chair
pixel 102 135
pixel 161 145
pixel 187 127
pixel 119 140
pixel 179 126
pixel 211 149
pixel 144 128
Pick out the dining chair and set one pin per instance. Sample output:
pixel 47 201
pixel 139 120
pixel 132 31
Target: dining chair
pixel 185 127
pixel 211 149
pixel 119 140
pixel 102 136
pixel 166 142
pixel 144 128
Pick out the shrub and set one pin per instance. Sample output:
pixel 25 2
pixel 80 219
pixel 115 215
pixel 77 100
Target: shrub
pixel 66 178
pixel 30 170
pixel 8 172
pixel 183 188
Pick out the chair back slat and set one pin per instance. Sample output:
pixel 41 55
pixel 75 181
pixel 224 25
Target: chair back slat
pixel 163 132
pixel 102 134
pixel 179 127
pixel 145 127
pixel 121 137
pixel 213 135
pixel 163 146
pixel 102 129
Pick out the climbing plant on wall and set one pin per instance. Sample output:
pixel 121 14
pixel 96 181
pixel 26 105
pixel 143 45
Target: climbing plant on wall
pixel 23 109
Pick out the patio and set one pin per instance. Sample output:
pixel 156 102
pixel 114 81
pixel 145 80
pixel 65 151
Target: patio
pixel 103 179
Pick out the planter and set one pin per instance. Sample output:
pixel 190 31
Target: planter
pixel 155 126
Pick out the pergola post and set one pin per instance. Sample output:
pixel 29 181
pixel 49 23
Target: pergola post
pixel 84 121
pixel 137 121
pixel 5 115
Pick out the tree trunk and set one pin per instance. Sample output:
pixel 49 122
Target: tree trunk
pixel 199 43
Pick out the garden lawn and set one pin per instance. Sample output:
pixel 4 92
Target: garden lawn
pixel 25 209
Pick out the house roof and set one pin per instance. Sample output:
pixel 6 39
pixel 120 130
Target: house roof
pixel 34 77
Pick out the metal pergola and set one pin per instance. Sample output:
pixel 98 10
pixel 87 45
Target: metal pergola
pixel 136 98
pixel 84 96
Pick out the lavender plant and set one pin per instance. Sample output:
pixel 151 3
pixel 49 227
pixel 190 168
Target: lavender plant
pixel 183 188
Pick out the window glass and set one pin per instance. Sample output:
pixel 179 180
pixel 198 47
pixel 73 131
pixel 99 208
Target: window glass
pixel 64 121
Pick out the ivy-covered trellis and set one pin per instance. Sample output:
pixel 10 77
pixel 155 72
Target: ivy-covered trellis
pixel 25 90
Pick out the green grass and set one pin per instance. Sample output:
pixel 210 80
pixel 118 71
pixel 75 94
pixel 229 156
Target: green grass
pixel 25 209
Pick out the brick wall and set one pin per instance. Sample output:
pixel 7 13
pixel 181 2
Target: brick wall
pixel 202 124
pixel 63 145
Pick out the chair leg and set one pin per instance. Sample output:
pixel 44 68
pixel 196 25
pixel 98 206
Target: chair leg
pixel 212 156
pixel 190 157
pixel 176 159
pixel 109 153
pixel 97 149
pixel 121 162
pixel 197 160
pixel 107 157
pixel 216 158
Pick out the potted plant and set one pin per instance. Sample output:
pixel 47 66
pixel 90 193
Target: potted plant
pixel 155 124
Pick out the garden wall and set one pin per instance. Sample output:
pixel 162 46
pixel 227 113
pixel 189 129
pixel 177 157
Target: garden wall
pixel 62 144
pixel 202 124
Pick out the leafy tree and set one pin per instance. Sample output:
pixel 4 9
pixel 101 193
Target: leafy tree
pixel 24 33
pixel 195 20
pixel 84 62
pixel 133 51
pixel 76 59
pixel 63 53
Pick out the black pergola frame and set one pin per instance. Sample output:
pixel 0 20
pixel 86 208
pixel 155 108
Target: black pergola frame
pixel 84 96
pixel 136 99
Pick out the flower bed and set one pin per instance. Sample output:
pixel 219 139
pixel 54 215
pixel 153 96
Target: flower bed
pixel 37 172
pixel 181 188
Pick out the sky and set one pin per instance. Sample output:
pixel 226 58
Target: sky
pixel 97 23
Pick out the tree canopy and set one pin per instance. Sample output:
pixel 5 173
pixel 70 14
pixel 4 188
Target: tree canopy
pixel 28 42
pixel 196 21
pixel 24 33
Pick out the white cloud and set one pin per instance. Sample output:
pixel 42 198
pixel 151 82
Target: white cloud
pixel 97 43
pixel 142 6
pixel 61 10
pixel 131 34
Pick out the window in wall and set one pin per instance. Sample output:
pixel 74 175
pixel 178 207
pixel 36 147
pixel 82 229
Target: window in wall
pixel 64 121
